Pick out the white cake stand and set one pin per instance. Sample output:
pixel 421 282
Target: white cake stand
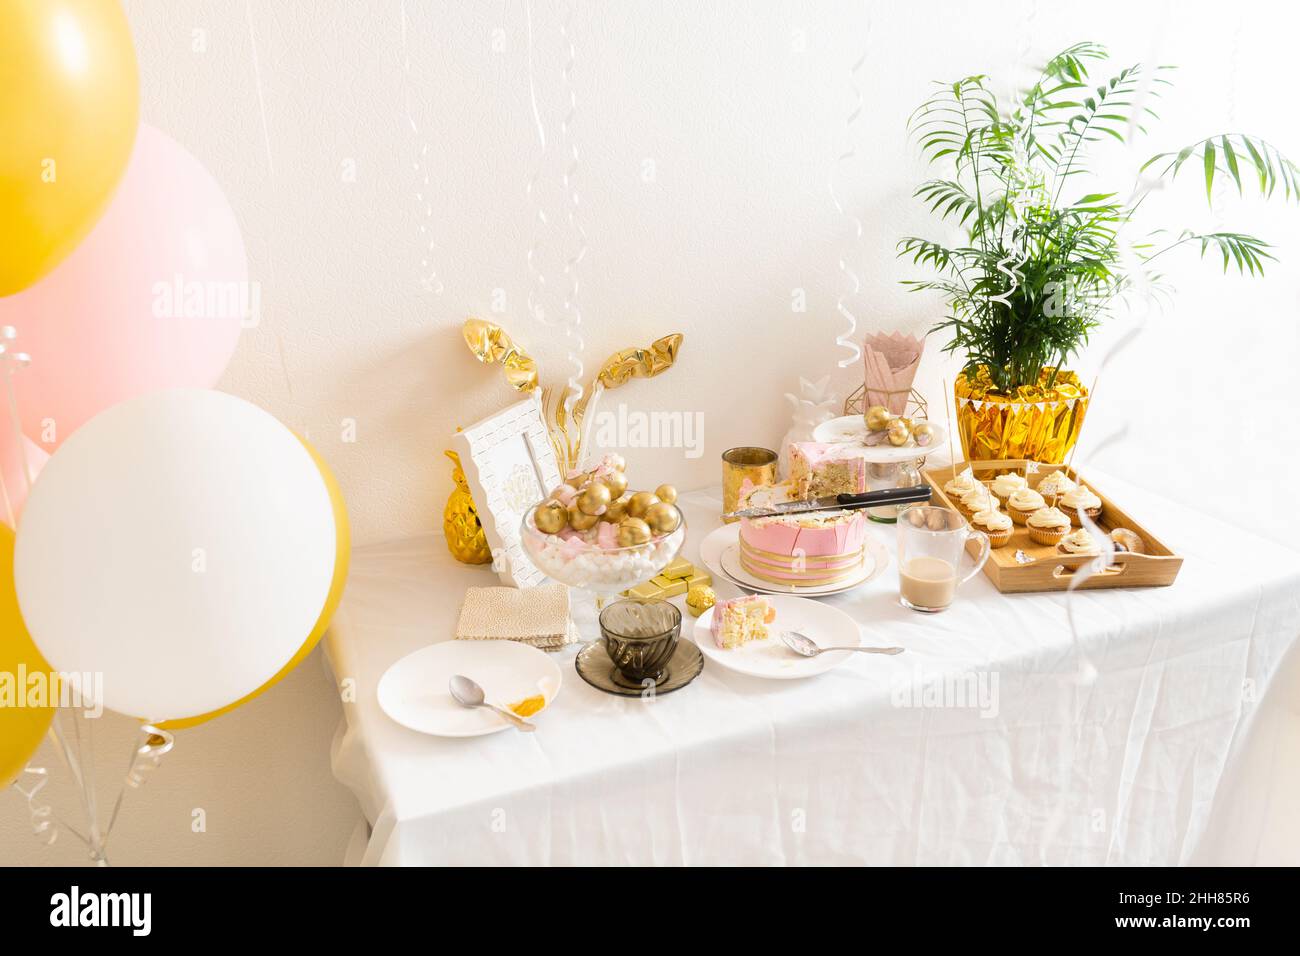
pixel 883 460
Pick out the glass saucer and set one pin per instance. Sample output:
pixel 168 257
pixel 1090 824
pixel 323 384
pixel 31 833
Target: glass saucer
pixel 595 667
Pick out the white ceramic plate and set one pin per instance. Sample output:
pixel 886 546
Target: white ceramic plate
pixel 853 428
pixel 414 691
pixel 720 552
pixel 828 626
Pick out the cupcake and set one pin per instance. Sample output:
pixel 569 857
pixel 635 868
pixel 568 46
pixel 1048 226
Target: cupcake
pixel 961 485
pixel 1079 541
pixel 1048 525
pixel 1080 499
pixel 1055 485
pixel 1021 504
pixel 977 499
pixel 996 524
pixel 1004 486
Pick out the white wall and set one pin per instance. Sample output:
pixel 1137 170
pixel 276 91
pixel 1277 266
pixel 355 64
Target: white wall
pixel 740 107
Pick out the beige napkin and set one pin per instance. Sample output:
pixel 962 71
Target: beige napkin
pixel 537 616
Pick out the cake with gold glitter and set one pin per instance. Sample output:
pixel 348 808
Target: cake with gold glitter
pixel 818 469
pixel 809 550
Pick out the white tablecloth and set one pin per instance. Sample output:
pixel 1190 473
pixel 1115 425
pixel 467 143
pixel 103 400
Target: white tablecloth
pixel 1111 749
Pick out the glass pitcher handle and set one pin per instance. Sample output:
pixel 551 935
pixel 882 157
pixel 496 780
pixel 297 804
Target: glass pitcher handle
pixel 985 549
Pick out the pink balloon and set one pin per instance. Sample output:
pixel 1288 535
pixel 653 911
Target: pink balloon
pixel 12 473
pixel 153 298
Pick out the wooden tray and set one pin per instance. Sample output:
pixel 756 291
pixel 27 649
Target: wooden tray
pixel 1051 570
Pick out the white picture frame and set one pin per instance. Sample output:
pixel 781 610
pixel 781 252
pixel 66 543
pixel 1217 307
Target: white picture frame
pixel 509 465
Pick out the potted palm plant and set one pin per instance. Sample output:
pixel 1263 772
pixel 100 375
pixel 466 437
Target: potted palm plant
pixel 1044 260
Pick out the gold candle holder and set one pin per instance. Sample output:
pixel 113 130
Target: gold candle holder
pixel 757 465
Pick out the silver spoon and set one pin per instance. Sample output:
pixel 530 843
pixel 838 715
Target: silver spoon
pixel 808 648
pixel 469 694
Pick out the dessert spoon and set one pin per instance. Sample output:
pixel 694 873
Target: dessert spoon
pixel 808 648
pixel 467 693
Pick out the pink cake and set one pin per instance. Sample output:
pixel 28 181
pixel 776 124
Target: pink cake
pixel 818 469
pixel 811 550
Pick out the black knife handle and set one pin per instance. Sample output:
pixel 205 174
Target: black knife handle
pixel 885 496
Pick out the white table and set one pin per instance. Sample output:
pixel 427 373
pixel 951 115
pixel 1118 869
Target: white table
pixel 1110 749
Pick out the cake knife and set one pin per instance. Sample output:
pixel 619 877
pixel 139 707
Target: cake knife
pixel 868 499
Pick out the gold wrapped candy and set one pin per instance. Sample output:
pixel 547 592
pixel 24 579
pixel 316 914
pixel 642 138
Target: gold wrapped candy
pixel 1039 422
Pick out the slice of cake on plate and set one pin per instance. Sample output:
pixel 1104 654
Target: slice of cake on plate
pixel 808 550
pixel 741 620
pixel 818 469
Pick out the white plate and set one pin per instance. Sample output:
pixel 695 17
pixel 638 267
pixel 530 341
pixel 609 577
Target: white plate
pixel 720 552
pixel 852 428
pixel 414 691
pixel 827 626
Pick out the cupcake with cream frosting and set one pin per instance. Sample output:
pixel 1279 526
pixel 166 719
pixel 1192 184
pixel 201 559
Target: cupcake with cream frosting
pixel 994 523
pixel 1080 499
pixel 1023 503
pixel 1004 486
pixel 961 485
pixel 977 499
pixel 1048 526
pixel 1055 485
pixel 1079 541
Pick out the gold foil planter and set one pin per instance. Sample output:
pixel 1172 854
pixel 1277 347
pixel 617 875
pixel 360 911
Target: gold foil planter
pixel 1039 422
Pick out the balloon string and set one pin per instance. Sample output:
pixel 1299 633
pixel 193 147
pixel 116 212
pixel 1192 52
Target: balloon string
pixel 429 277
pixel 257 83
pixel 10 362
pixel 573 315
pixel 41 814
pixel 848 338
pixel 145 758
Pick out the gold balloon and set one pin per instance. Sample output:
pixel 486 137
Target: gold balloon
pixel 551 518
pixel 663 518
pixel 640 503
pixel 68 117
pixel 899 432
pixel 699 599
pixel 579 520
pixel 616 482
pixel 923 433
pixel 877 417
pixel 632 532
pixel 666 493
pixel 595 498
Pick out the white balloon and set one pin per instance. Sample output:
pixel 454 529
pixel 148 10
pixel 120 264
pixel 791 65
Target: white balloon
pixel 181 544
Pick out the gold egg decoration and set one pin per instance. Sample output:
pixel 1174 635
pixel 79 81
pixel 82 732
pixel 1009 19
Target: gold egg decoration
pixel 666 493
pixel 616 482
pixel 877 418
pixel 699 599
pixel 899 432
pixel 640 503
pixel 663 518
pixel 551 518
pixel 617 509
pixel 923 434
pixel 595 498
pixel 633 532
pixel 579 520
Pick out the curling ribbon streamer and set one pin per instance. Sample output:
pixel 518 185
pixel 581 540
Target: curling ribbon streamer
pixel 39 812
pixel 429 278
pixel 536 308
pixel 848 339
pixel 145 759
pixel 572 314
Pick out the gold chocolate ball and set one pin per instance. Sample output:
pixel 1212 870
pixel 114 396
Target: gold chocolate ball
pixel 595 498
pixel 579 520
pixel 640 503
pixel 666 493
pixel 699 599
pixel 899 432
pixel 923 433
pixel 551 517
pixel 616 482
pixel 633 531
pixel 663 518
pixel 617 509
pixel 877 418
